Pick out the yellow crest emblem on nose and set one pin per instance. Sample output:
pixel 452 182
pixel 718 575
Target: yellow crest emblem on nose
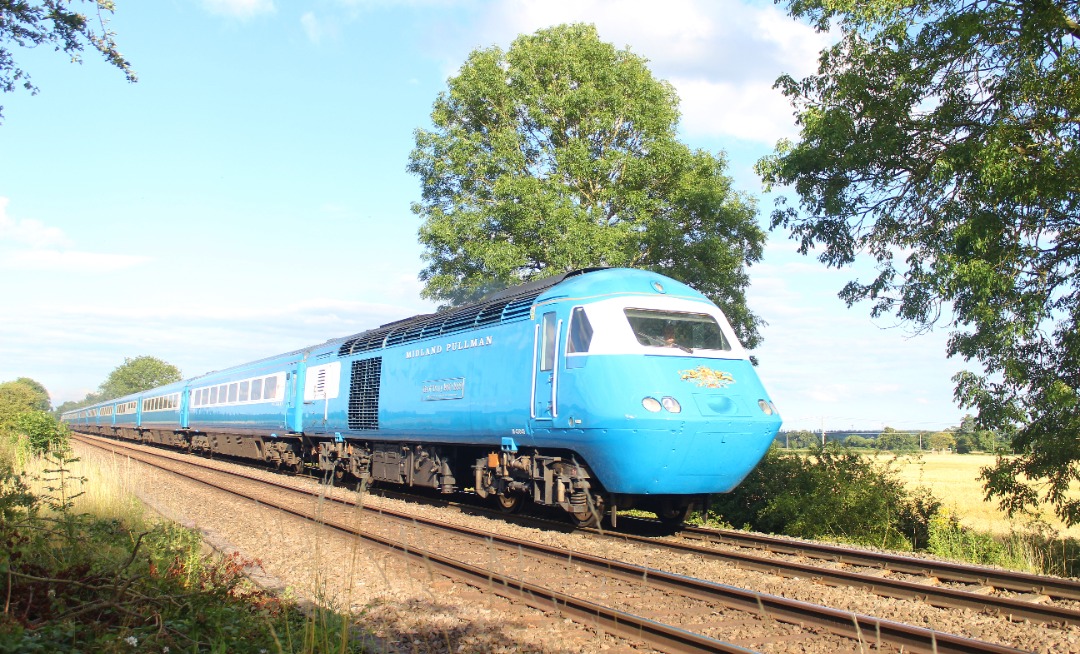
pixel 707 377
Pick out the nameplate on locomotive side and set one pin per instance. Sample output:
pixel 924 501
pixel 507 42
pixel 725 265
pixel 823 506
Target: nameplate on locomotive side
pixel 443 389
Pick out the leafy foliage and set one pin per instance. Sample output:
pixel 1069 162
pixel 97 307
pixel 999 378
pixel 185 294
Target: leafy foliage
pixel 75 582
pixel 52 22
pixel 830 494
pixel 561 153
pixel 940 138
pixel 138 374
pixel 38 432
pixel 15 398
pixel 44 402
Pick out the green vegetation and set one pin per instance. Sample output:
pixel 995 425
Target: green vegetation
pixel 561 153
pixel 835 493
pixel 940 138
pixel 832 494
pixel 114 581
pixel 53 23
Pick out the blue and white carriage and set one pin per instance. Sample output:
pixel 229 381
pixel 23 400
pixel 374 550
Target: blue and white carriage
pixel 592 391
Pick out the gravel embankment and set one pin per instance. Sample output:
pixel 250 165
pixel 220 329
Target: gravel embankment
pixel 410 609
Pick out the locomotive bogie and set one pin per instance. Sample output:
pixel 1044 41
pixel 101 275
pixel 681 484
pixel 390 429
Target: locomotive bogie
pixel 591 391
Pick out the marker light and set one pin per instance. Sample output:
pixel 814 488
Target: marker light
pixel 766 407
pixel 651 404
pixel 671 404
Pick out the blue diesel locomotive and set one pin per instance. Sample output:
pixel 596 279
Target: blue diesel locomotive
pixel 592 391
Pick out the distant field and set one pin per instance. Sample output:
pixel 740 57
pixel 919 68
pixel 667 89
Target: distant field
pixel 953 478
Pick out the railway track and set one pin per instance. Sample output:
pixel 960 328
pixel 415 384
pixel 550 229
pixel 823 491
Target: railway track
pixel 1043 599
pixel 600 591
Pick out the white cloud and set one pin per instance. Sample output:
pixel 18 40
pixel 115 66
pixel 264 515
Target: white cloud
pixel 314 28
pixel 242 9
pixel 750 110
pixel 69 261
pixel 28 232
pixel 30 245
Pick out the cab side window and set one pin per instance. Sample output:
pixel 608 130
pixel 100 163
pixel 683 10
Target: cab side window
pixel 547 342
pixel 581 332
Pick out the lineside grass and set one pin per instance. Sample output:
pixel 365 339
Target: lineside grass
pixel 87 570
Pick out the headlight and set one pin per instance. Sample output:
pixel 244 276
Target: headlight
pixel 651 404
pixel 766 407
pixel 671 404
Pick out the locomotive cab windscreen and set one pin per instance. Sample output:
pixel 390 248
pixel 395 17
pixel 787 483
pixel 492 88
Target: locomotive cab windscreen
pixel 676 328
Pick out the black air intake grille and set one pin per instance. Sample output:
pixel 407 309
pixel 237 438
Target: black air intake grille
pixel 364 394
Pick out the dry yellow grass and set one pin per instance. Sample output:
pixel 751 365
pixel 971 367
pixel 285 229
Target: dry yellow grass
pixel 954 479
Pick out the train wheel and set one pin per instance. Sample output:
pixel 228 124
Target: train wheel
pixel 509 503
pixel 586 520
pixel 592 513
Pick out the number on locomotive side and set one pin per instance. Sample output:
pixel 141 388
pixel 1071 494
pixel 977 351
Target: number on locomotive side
pixel 517 432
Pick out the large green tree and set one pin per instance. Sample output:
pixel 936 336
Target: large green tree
pixel 939 138
pixel 138 374
pixel 561 153
pixel 17 398
pixel 42 400
pixel 54 23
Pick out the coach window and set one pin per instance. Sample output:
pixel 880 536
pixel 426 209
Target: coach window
pixel 244 391
pixel 547 351
pixel 213 395
pixel 270 388
pixel 233 391
pixel 256 390
pixel 581 332
pixel 223 394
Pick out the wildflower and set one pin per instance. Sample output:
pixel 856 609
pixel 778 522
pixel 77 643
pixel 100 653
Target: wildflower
pixel 132 640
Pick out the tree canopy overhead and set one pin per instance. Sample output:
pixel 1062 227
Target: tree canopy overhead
pixel 52 22
pixel 561 153
pixel 940 138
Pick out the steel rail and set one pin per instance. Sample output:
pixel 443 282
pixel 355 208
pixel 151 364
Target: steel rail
pixel 1010 608
pixel 953 598
pixel 844 623
pixel 1023 582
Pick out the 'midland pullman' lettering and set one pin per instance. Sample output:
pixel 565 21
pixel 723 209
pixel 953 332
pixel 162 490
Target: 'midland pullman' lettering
pixel 463 344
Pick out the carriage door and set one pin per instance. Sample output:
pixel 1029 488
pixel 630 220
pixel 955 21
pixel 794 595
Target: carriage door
pixel 545 384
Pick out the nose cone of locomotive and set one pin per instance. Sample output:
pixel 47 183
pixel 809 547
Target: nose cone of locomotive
pixel 717 429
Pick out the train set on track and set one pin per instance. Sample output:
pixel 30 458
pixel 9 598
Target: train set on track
pixel 591 391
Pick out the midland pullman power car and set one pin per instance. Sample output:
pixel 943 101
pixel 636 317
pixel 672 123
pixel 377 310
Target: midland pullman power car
pixel 591 391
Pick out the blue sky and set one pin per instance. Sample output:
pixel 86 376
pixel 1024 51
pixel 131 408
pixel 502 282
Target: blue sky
pixel 248 195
